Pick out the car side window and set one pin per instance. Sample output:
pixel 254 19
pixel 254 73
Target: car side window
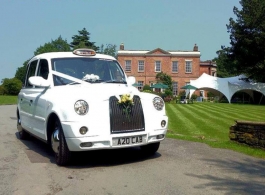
pixel 43 69
pixel 31 72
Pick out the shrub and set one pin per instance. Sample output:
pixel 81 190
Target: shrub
pixel 168 92
pixel 210 94
pixel 2 90
pixel 147 87
pixel 12 86
pixel 194 96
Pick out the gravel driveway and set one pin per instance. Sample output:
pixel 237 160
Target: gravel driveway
pixel 179 167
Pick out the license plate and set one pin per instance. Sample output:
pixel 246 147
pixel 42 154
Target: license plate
pixel 132 140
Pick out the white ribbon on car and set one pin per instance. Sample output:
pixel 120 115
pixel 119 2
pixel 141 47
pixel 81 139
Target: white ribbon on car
pixel 68 77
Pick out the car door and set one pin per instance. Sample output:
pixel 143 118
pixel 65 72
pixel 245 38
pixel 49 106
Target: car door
pixel 38 101
pixel 24 101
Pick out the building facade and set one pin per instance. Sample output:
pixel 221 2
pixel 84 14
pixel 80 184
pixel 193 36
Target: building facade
pixel 209 67
pixel 144 65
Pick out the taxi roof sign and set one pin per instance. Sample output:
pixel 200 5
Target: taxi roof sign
pixel 84 52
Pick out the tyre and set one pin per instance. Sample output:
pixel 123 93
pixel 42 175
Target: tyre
pixel 150 149
pixel 23 135
pixel 59 145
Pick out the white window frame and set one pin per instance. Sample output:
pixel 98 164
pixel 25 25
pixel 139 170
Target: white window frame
pixel 128 65
pixel 175 66
pixel 175 88
pixel 141 66
pixel 188 66
pixel 157 66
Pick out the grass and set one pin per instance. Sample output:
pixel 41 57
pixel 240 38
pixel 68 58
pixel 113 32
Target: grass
pixel 7 100
pixel 210 122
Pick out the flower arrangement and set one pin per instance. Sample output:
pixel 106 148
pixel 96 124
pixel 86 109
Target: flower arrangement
pixel 126 103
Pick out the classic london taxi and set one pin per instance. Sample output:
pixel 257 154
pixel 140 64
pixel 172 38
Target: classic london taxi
pixel 81 100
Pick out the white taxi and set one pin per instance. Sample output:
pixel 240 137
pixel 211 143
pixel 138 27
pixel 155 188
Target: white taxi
pixel 81 100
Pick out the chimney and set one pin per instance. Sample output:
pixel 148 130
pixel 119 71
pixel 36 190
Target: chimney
pixel 195 48
pixel 121 46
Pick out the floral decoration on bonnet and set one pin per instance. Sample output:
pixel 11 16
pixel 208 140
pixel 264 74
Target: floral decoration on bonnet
pixel 126 103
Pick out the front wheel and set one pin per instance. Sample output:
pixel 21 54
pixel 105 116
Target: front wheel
pixel 150 149
pixel 59 145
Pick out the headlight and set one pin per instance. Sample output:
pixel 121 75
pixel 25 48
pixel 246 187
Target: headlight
pixel 158 103
pixel 81 107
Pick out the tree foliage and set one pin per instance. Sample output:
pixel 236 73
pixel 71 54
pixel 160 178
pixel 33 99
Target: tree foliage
pixel 2 90
pixel 56 45
pixel 21 72
pixel 11 86
pixel 165 79
pixel 147 88
pixel 82 40
pixel 246 55
pixel 79 41
pixel 110 49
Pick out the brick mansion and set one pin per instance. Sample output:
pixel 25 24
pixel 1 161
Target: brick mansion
pixel 182 66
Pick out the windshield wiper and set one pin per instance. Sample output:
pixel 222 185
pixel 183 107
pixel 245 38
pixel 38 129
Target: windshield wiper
pixel 94 80
pixel 87 80
pixel 116 81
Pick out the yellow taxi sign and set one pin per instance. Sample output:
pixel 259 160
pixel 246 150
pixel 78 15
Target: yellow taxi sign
pixel 84 52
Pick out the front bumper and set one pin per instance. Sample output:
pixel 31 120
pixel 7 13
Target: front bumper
pixel 110 141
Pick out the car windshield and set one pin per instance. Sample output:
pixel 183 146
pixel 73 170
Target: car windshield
pixel 92 70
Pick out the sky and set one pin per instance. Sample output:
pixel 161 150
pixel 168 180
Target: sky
pixel 26 25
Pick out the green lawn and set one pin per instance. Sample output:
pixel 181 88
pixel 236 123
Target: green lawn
pixel 7 100
pixel 210 122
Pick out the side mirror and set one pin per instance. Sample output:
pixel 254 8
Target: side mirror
pixel 38 81
pixel 130 80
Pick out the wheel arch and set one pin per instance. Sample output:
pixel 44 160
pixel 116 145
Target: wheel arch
pixel 50 125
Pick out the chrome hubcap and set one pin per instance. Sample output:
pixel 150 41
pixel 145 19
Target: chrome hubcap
pixel 19 127
pixel 55 140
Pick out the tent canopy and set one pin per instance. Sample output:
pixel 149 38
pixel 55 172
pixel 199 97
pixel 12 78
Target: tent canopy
pixel 227 86
pixel 159 86
pixel 189 87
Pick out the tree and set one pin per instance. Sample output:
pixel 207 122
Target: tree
pixel 21 72
pixel 110 49
pixel 225 67
pixel 164 78
pixel 82 40
pixel 2 90
pixel 247 38
pixel 56 45
pixel 12 86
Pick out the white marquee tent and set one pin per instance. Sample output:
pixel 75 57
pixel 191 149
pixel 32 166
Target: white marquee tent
pixel 227 86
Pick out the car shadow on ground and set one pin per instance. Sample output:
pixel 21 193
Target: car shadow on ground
pixel 39 152
pixel 105 158
pixel 253 170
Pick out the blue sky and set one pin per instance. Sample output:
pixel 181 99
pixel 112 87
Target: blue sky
pixel 139 24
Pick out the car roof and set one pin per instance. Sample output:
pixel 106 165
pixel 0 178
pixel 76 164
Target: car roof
pixel 51 55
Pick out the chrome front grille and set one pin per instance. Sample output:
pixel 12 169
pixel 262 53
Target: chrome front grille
pixel 120 122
